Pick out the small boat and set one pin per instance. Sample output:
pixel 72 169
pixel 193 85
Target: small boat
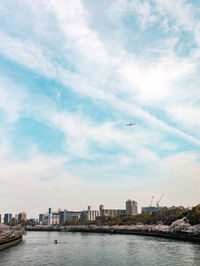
pixel 55 241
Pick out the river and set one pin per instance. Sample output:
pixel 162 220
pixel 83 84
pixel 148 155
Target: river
pixel 38 248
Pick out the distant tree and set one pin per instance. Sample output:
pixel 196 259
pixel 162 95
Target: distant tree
pixel 23 223
pixel 165 216
pixel 194 215
pixel 168 215
pixel 107 220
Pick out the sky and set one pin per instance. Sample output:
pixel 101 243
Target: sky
pixel 73 73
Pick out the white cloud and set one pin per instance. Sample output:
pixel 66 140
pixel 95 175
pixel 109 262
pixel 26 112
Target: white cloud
pixel 153 82
pixel 72 19
pixel 82 134
pixel 26 53
pixel 134 86
pixel 5 149
pixel 180 14
pixel 142 10
pixel 183 166
pixel 186 115
pixel 174 15
pixel 36 182
pixel 10 99
pixel 183 186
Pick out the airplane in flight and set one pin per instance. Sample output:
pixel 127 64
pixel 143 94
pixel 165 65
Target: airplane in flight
pixel 130 124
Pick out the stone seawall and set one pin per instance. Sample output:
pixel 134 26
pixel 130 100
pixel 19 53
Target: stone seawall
pixel 10 243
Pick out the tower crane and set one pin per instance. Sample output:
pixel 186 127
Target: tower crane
pixel 158 201
pixel 151 201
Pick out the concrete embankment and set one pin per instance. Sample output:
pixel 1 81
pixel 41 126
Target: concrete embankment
pixel 176 236
pixel 10 242
pixel 49 229
pixel 170 235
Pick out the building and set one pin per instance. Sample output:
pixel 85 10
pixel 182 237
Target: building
pixel 33 221
pixel 55 219
pixel 150 209
pixel 7 218
pixel 131 207
pixel 63 216
pixel 84 217
pixel 16 217
pixel 111 212
pixel 41 218
pixel 73 216
pixel 14 220
pixel 92 214
pixel 46 220
pixel 0 218
pixel 48 217
pixel 22 217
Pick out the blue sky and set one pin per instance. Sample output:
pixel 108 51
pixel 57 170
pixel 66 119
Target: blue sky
pixel 72 74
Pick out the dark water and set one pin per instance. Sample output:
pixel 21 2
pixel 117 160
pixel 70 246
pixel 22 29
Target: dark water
pixel 38 248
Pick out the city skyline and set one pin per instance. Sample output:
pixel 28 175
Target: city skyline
pixel 131 208
pixel 152 206
pixel 73 75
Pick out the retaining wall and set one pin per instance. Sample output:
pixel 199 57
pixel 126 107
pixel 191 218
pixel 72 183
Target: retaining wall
pixel 10 243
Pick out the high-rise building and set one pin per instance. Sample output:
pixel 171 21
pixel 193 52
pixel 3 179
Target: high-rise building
pixel 131 207
pixel 16 217
pixel 22 216
pixel 41 218
pixel 7 218
pixel 48 217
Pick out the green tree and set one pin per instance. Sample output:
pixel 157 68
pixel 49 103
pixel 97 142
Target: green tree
pixel 194 215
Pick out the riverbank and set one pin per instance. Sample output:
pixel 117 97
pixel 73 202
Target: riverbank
pixel 120 230
pixel 9 242
pixel 176 236
pixel 99 249
pixel 10 235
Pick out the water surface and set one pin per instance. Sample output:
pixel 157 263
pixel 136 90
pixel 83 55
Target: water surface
pixel 38 248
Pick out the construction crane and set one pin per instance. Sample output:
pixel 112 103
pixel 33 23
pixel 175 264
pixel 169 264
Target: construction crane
pixel 158 201
pixel 150 205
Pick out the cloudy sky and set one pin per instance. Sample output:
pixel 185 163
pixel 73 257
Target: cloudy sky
pixel 72 74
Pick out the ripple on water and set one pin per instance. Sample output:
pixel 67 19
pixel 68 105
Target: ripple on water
pixel 38 248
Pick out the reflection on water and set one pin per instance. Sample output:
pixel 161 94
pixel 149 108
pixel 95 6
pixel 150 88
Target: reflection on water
pixel 38 248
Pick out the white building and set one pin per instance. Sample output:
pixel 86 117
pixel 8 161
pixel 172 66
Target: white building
pixel 55 219
pixel 48 218
pixel 92 214
pixel 111 212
